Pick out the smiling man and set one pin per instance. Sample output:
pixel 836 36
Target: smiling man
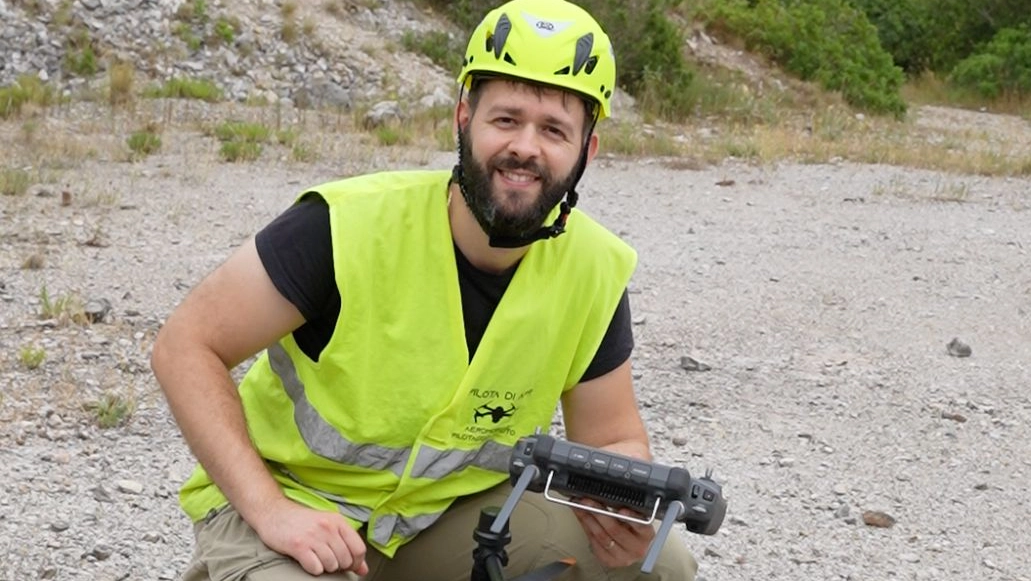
pixel 412 326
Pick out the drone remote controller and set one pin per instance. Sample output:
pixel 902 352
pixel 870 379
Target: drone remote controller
pixel 542 463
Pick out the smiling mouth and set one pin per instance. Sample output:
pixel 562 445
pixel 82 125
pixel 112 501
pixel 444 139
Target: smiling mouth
pixel 518 178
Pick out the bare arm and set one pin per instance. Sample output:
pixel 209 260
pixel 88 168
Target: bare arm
pixel 603 413
pixel 231 315
pixel 234 313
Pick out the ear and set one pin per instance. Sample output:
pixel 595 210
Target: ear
pixel 592 146
pixel 462 115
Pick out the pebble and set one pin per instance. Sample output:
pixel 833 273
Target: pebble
pixel 878 519
pixel 129 486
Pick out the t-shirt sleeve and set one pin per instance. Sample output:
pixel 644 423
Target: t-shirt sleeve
pixel 617 344
pixel 297 251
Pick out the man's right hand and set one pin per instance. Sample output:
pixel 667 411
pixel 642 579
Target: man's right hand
pixel 320 541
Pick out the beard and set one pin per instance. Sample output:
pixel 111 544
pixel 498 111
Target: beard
pixel 487 204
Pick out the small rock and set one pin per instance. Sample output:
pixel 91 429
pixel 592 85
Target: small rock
pixel 59 526
pixel 101 495
pixel 129 486
pixel 842 511
pixel 875 518
pixel 957 348
pixel 960 418
pixel 679 441
pixel 786 462
pixel 981 486
pixel 102 552
pixel 691 364
pixel 97 310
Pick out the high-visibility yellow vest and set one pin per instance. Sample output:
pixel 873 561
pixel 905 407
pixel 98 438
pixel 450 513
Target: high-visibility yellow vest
pixel 393 422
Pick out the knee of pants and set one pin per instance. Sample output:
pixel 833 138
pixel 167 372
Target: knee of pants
pixel 550 531
pixel 675 563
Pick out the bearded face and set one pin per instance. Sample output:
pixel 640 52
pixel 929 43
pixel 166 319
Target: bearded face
pixel 501 212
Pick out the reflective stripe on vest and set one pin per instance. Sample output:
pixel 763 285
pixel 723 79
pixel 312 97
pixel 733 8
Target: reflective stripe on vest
pixel 321 437
pixel 327 442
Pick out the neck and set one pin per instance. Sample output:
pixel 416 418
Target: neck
pixel 473 242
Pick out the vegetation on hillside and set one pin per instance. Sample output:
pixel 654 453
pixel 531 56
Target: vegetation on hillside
pixel 865 50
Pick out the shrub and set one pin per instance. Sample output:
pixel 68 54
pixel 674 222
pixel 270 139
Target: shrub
pixel 178 88
pixel 143 143
pixel 1002 67
pixel 121 77
pixel 27 89
pixel 904 29
pixel 80 56
pixel 111 410
pixel 826 41
pixel 240 151
pixel 226 29
pixel 31 356
pixel 242 131
pixel 14 182
pixel 441 48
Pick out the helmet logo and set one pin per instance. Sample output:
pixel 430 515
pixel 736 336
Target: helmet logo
pixel 545 28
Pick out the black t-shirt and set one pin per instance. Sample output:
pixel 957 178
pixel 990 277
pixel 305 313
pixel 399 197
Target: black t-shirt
pixel 297 251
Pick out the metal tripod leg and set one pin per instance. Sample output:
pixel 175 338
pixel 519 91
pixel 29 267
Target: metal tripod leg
pixel 673 512
pixel 529 473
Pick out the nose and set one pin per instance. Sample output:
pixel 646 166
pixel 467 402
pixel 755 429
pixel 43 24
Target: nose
pixel 525 143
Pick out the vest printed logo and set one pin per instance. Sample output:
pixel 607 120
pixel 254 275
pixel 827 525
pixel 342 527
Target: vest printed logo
pixel 495 413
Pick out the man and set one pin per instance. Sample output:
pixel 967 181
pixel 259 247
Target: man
pixel 415 325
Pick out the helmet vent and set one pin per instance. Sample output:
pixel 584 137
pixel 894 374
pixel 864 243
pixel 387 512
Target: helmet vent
pixel 500 36
pixel 509 60
pixel 562 71
pixel 584 45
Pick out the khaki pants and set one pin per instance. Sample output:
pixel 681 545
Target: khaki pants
pixel 542 532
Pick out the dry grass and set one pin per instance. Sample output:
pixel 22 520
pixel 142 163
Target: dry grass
pixel 758 126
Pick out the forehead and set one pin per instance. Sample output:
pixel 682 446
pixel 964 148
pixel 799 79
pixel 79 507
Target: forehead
pixel 511 93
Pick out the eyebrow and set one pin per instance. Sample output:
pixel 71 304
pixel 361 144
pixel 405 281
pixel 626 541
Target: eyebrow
pixel 518 112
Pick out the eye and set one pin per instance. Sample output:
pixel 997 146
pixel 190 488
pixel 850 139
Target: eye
pixel 555 131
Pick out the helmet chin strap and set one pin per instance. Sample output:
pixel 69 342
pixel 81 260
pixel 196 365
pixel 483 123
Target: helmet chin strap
pixel 544 232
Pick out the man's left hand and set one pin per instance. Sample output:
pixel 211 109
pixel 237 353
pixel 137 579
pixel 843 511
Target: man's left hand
pixel 616 543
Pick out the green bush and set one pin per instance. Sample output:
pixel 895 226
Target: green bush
pixel 14 182
pixel 440 47
pixel 1003 67
pixel 826 41
pixel 178 88
pixel 904 28
pixel 240 151
pixel 242 131
pixel 143 143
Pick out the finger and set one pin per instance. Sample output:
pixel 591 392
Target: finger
pixel 327 557
pixel 310 562
pixel 352 551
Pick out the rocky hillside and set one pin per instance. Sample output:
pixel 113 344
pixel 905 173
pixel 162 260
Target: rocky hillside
pixel 331 53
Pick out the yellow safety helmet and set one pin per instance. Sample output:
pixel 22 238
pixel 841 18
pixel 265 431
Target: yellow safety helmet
pixel 552 42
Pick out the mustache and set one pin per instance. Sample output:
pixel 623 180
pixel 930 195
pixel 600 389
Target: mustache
pixel 512 163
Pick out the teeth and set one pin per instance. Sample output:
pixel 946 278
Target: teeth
pixel 516 177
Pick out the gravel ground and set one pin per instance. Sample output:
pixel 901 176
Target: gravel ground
pixel 816 301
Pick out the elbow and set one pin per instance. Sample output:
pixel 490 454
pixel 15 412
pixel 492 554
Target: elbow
pixel 160 353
